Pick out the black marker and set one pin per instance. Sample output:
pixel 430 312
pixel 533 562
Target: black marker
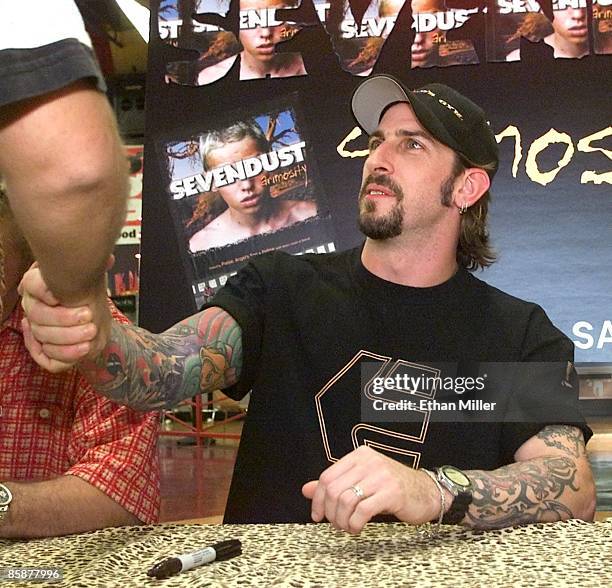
pixel 175 565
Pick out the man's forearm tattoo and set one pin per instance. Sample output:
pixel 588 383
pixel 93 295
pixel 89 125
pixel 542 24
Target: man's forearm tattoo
pixel 148 371
pixel 568 439
pixel 522 493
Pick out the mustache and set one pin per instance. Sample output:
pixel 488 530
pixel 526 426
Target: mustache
pixel 382 180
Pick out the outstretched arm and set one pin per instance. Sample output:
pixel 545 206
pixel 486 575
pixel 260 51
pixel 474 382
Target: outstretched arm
pixel 126 363
pixel 145 371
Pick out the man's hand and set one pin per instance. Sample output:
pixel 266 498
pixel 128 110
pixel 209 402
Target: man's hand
pixel 57 336
pixel 388 486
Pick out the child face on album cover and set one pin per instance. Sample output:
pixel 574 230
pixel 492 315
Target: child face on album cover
pixel 260 42
pixel 424 50
pixel 571 29
pixel 259 57
pixel 244 196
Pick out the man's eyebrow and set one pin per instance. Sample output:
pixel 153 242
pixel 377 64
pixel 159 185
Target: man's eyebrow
pixel 378 134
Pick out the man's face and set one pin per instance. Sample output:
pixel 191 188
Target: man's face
pixel 571 25
pixel 407 178
pixel 244 196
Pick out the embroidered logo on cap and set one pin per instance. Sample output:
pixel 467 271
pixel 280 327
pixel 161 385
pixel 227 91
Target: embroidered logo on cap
pixel 441 101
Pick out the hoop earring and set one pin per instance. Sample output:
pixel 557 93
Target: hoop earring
pixel 463 208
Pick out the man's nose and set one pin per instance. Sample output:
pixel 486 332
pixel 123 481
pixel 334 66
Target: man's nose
pixel 379 161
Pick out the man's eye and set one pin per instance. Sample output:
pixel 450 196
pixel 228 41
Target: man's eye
pixel 373 143
pixel 412 144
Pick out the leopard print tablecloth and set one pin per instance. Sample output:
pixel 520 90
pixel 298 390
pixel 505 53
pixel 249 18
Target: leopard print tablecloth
pixel 573 553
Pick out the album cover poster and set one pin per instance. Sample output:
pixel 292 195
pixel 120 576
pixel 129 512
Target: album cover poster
pixel 567 32
pixel 359 44
pixel 246 185
pixel 255 47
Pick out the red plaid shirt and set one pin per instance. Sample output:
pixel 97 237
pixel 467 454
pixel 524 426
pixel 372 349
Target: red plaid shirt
pixel 54 424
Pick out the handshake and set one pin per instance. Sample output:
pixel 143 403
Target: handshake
pixel 57 336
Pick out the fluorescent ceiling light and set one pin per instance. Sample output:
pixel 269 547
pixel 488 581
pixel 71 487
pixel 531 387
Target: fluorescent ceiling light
pixel 138 15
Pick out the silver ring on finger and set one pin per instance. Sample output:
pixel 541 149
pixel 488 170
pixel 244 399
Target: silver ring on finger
pixel 357 490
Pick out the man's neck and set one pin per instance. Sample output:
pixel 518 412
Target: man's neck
pixel 402 263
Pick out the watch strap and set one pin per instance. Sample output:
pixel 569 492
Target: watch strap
pixel 458 509
pixel 462 496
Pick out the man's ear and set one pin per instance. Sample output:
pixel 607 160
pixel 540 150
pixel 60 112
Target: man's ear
pixel 474 182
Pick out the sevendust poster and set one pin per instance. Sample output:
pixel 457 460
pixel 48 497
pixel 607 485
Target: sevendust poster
pixel 247 184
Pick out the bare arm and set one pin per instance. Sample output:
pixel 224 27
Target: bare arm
pixel 551 480
pixel 60 506
pixel 66 177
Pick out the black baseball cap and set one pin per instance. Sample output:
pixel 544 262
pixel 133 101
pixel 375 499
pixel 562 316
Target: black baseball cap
pixel 448 116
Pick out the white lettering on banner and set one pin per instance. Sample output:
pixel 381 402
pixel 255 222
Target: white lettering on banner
pixel 517 6
pixel 239 170
pixel 425 22
pixel 422 22
pixel 256 18
pixel 551 137
pixel 583 330
pixel 520 6
pixel 322 11
pixel 369 27
pixel 565 4
pixel 170 29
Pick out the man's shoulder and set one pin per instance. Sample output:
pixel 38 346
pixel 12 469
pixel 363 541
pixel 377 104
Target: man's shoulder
pixel 540 337
pixel 501 300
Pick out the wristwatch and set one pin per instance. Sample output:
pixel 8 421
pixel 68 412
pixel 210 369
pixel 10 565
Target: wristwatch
pixel 460 486
pixel 5 501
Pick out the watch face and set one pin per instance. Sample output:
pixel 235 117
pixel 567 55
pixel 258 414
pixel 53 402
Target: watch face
pixel 457 477
pixel 5 495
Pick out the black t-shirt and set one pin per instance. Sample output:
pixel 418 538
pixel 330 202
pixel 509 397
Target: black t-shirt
pixel 311 324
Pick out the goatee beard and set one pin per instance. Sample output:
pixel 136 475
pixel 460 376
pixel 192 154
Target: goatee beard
pixel 380 227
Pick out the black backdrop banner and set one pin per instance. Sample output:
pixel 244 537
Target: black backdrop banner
pixel 292 66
